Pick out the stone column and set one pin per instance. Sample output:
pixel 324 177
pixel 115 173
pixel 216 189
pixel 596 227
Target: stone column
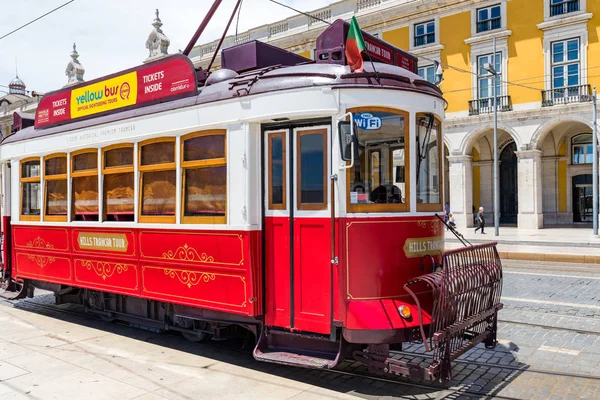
pixel 461 189
pixel 529 171
pixel 486 190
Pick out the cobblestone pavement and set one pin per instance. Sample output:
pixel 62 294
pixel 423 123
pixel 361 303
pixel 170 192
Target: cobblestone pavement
pixel 52 355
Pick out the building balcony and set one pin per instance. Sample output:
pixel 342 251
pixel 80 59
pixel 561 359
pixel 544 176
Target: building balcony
pixel 486 106
pixel 564 7
pixel 567 95
pixel 424 39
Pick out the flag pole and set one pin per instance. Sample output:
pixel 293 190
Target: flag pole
pixel 374 70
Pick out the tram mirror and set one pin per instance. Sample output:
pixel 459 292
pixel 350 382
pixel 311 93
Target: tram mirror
pixel 346 139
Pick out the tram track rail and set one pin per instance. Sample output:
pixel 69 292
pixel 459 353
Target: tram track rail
pixel 29 305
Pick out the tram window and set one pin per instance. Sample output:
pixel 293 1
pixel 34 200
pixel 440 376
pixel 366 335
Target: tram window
pixel 277 171
pixel 118 183
pixel 428 155
pixel 30 190
pixel 378 181
pixel 55 177
pixel 312 169
pixel 85 185
pixel 158 153
pixel 204 177
pixel 158 181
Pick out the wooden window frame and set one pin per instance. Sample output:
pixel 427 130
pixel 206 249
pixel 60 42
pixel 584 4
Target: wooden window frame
pixel 282 135
pixel 431 207
pixel 310 206
pixel 384 208
pixel 115 170
pixel 82 174
pixel 155 219
pixel 32 179
pixel 212 162
pixel 59 177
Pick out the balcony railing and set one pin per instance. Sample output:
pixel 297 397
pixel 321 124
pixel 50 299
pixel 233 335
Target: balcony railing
pixel 424 39
pixel 567 95
pixel 486 106
pixel 564 7
pixel 489 24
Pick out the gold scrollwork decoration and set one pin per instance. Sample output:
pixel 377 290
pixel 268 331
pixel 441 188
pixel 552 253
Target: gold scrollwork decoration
pixel 105 269
pixel 190 278
pixel 433 226
pixel 39 243
pixel 41 261
pixel 187 253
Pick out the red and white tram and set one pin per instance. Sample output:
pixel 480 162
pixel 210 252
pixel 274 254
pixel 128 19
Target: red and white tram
pixel 293 198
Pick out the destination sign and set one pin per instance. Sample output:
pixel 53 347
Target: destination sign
pixel 419 247
pixel 171 77
pixel 102 241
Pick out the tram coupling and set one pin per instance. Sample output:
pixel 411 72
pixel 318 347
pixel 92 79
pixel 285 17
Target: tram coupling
pixel 457 310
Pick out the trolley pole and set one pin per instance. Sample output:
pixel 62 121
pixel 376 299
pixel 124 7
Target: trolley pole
pixel 595 166
pixel 496 192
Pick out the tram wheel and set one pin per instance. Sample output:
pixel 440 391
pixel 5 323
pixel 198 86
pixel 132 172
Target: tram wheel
pixel 197 335
pixel 107 318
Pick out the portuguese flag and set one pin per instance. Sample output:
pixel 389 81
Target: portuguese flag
pixel 355 45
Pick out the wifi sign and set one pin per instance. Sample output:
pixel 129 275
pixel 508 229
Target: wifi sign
pixel 367 121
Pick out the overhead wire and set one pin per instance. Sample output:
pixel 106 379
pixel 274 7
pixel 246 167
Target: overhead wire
pixel 36 19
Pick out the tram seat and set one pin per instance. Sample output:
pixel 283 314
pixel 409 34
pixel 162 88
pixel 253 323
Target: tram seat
pixel 380 195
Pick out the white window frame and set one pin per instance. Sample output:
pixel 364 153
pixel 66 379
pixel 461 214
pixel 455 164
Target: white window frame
pixel 565 63
pixel 548 4
pixel 564 33
pixel 425 67
pixel 501 75
pixel 487 47
pixel 425 25
pixel 581 144
pixel 436 30
pixel 501 3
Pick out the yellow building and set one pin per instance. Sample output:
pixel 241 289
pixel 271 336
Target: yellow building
pixel 547 61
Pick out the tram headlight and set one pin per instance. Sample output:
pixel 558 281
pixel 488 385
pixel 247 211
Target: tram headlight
pixel 404 312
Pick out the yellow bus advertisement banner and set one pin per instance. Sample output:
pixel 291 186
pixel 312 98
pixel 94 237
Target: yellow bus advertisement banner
pixel 104 96
pixel 159 81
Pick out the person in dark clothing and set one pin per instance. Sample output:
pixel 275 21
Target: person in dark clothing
pixel 480 220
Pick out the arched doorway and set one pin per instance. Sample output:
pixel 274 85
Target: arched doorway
pixel 508 185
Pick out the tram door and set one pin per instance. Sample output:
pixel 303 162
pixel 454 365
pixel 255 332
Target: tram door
pixel 297 228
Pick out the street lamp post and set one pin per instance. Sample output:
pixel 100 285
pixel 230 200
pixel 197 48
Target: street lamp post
pixel 595 167
pixel 492 70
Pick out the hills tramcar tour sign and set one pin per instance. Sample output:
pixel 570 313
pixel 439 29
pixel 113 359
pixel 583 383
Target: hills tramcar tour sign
pixel 165 79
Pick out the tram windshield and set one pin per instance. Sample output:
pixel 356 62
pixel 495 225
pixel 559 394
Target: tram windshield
pixel 380 172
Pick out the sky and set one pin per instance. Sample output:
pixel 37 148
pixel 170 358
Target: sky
pixel 111 34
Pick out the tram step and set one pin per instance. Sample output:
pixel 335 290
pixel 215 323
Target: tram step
pixel 299 350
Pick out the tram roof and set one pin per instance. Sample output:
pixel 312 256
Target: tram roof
pixel 230 85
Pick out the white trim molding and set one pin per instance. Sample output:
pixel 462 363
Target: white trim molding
pixel 486 4
pixel 548 18
pixel 564 32
pixel 411 33
pixel 487 47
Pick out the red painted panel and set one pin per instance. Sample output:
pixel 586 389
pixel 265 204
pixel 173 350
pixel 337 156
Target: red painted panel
pixel 277 266
pixel 41 238
pixel 312 274
pixel 201 288
pixel 44 267
pixel 376 260
pixel 116 242
pixel 7 247
pixel 381 314
pixel 116 277
pixel 222 248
